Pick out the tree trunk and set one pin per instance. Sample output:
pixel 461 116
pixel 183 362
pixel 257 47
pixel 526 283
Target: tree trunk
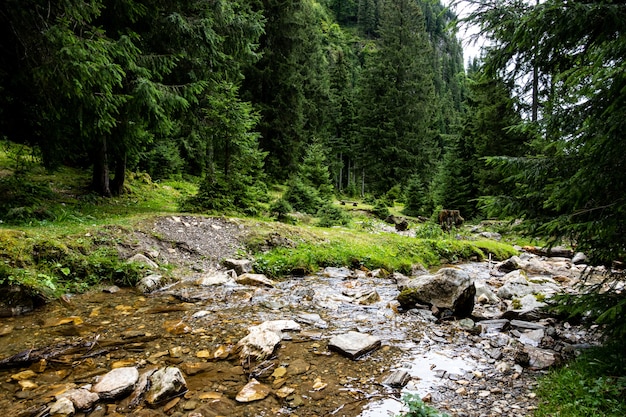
pixel 535 98
pixel 363 183
pixel 117 184
pixel 100 177
pixel 340 182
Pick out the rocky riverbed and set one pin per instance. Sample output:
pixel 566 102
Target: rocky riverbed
pixel 225 342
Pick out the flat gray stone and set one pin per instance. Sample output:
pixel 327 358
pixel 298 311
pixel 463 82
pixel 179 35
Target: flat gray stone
pixel 532 337
pixel 354 344
pixel 214 278
pixel 82 399
pixel 493 326
pixel 116 383
pixel 542 358
pixel 397 379
pixel 255 280
pixel 527 325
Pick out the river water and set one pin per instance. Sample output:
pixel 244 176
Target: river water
pixel 197 328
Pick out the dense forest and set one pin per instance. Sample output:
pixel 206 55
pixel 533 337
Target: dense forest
pixel 275 106
pixel 238 93
pixel 334 97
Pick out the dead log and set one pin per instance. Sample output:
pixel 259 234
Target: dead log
pixel 80 349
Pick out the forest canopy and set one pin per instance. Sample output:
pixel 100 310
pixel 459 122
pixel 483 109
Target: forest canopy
pixel 238 94
pixel 207 89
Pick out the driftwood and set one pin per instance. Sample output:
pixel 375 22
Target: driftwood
pixel 81 349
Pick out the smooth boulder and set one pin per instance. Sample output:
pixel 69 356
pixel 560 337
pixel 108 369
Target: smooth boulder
pixel 449 289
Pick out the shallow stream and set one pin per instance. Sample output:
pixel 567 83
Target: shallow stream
pixel 197 328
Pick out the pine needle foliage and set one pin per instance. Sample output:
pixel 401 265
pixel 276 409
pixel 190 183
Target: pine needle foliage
pixel 570 186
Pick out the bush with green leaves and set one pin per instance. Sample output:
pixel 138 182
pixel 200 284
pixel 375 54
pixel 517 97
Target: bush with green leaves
pixel 380 209
pixel 417 408
pixel 394 194
pixel 332 216
pixel 592 385
pixel 314 170
pixel 22 200
pixel 52 266
pixel 303 197
pixel 280 209
pixel 417 199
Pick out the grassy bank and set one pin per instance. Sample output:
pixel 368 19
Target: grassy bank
pixel 592 385
pixel 55 238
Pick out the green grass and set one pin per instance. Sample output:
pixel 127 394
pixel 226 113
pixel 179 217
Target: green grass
pixel 592 385
pixel 52 264
pixel 57 237
pixel 362 249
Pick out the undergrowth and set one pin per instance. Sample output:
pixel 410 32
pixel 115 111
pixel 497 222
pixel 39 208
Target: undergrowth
pixel 417 408
pixel 52 266
pixel 592 385
pixel 391 252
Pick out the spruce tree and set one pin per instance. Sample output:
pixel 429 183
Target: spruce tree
pixel 571 186
pixel 289 84
pixel 396 100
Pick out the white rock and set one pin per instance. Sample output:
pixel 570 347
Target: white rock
pixel 253 391
pixel 82 399
pixel 116 383
pixel 164 384
pixel 354 344
pixel 257 280
pixel 259 344
pixel 63 407
pixel 150 283
pixel 214 278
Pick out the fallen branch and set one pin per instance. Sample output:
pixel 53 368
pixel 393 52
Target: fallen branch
pixel 81 349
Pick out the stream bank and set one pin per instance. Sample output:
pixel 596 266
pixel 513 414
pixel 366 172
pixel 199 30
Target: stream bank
pixel 478 367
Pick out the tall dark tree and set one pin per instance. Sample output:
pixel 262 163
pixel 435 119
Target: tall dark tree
pixel 572 186
pixel 368 15
pixel 343 72
pixel 289 84
pixel 345 11
pixel 464 175
pixel 107 84
pixel 396 100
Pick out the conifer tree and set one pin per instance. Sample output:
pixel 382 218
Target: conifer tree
pixel 396 100
pixel 289 84
pixel 571 186
pixel 113 80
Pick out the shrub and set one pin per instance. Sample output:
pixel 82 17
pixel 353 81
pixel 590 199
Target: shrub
pixel 332 216
pixel 281 209
pixel 303 197
pixel 417 408
pixel 380 209
pixel 22 200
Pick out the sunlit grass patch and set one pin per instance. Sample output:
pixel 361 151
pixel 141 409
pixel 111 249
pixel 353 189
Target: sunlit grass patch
pixel 361 249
